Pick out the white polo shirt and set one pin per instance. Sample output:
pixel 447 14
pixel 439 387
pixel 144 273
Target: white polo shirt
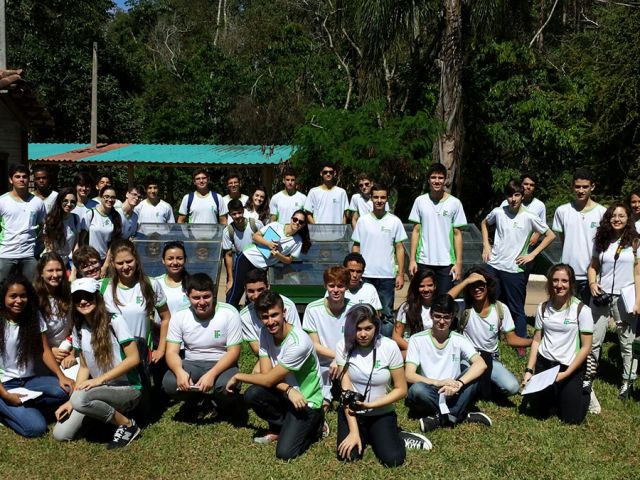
pixel 159 213
pixel 366 293
pixel 623 271
pixel 377 238
pixel 20 223
pixel 363 206
pixel 327 206
pixel 252 325
pixel 439 363
pixel 282 205
pixel 535 207
pixel 9 367
pixel 100 230
pixel 425 314
pixel 330 329
pixel 203 208
pixel 437 221
pixel 288 246
pixel 241 238
pixel 483 332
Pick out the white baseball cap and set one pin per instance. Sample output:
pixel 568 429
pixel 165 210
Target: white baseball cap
pixel 86 284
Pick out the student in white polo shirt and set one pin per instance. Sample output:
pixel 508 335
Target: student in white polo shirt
pixel 507 258
pixel 105 225
pixel 633 200
pixel 234 186
pixel 327 203
pixel 128 212
pixel 564 327
pixel 202 205
pixel 287 201
pixel 434 367
pixel 21 216
pixel 287 392
pixel 358 290
pixel 378 237
pixel 42 184
pixel 211 333
pixel 576 223
pixel 257 283
pixel 436 240
pixel 153 209
pixel 361 203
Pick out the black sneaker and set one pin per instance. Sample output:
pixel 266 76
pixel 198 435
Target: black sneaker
pixel 430 423
pixel 124 435
pixel 624 392
pixel 479 417
pixel 415 441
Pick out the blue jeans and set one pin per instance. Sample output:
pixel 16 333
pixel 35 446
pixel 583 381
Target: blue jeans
pixel 512 290
pixel 26 266
pixel 423 398
pixel 386 288
pixel 444 280
pixel 27 419
pixel 502 378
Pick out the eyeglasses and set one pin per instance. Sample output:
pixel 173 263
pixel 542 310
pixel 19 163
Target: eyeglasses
pixel 298 221
pixel 69 202
pixel 441 316
pixel 328 172
pixel 365 184
pixel 89 267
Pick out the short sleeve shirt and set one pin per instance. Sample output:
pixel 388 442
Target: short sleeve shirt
pixel 159 213
pixel 611 279
pixel 100 231
pixel 282 205
pixel 377 238
pixel 203 208
pixel 483 332
pixel 288 246
pixel 252 325
pixel 330 329
pixel 366 293
pixel 241 238
pixel 327 206
pixel 439 363
pixel 9 367
pixel 362 206
pixel 425 314
pixel 20 223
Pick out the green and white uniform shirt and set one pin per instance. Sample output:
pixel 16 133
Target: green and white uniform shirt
pixel 326 206
pixel 287 245
pixel 208 339
pixel 100 230
pixel 377 238
pixel 159 213
pixel 203 208
pixel 439 363
pixel 561 330
pixel 282 205
pixel 252 325
pixel 437 221
pixel 361 206
pixel 483 332
pixel 613 280
pixel 425 314
pixel 297 355
pixel 9 367
pixel 20 223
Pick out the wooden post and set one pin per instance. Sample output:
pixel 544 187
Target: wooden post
pixel 3 36
pixel 94 96
pixel 130 177
pixel 267 178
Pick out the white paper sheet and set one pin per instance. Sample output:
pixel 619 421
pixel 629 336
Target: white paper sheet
pixel 28 394
pixel 541 380
pixel 72 371
pixel 442 402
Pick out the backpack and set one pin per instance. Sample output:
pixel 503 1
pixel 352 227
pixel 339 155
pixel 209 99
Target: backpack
pixel 231 230
pixel 192 196
pixel 467 314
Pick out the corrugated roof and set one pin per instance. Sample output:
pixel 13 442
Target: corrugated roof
pixel 161 154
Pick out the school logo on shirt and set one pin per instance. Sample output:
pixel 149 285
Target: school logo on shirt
pixel 455 358
pixel 384 229
pixel 445 213
pixel 492 328
pixel 516 226
pixel 334 200
pixel 107 222
pixel 216 334
pixel 139 300
pixel 594 224
pixel 377 365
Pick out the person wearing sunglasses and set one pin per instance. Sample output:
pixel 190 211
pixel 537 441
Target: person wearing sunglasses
pixel 287 201
pixel 293 240
pixel 361 203
pixel 62 227
pixel 434 365
pixel 327 203
pixel 482 322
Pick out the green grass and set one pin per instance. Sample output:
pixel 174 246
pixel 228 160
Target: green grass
pixel 517 446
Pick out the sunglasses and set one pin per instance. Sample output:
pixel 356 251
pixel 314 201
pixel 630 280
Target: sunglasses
pixel 478 286
pixel 69 202
pixel 108 197
pixel 81 295
pixel 298 221
pixel 328 172
pixel 366 184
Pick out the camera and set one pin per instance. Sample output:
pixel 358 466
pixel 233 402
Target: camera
pixel 602 300
pixel 349 399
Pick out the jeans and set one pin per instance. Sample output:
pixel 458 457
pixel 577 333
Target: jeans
pixel 298 429
pixel 512 291
pixel 98 403
pixel 626 324
pixel 379 431
pixel 502 378
pixel 386 288
pixel 27 419
pixel 26 266
pixel 197 368
pixel 444 280
pixel 423 400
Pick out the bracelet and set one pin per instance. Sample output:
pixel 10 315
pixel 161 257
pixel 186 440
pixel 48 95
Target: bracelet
pixel 529 370
pixel 286 392
pixel 463 384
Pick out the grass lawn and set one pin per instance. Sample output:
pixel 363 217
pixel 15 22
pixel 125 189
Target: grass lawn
pixel 517 446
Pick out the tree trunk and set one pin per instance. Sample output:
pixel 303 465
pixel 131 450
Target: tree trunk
pixel 448 147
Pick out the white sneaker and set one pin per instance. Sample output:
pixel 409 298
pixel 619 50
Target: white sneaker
pixel 594 404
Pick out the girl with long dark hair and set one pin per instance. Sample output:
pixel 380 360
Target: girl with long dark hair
pixel 62 227
pixel 633 200
pixel 104 223
pixel 23 341
pixel 257 206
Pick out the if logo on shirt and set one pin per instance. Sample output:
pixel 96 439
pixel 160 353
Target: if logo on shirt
pixel 216 334
pixel 492 328
pixel 445 213
pixel 107 222
pixel 377 365
pixel 139 300
pixel 516 226
pixel 594 224
pixel 455 358
pixel 385 229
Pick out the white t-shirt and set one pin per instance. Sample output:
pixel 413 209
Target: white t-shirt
pixel 241 239
pixel 330 329
pixel 72 225
pixel 366 293
pixel 9 367
pixel 243 199
pixel 50 200
pixel 388 357
pixel 288 246
pixel 623 271
pixel 483 332
pixel 535 207
pixel 100 230
pixel 327 206
pixel 57 326
pixel 561 331
pixel 578 230
pixel 149 213
pixel 513 232
pixel 297 355
pixel 425 314
pixel 120 336
pixel 439 363
pixel 437 221
pixel 176 300
pixel 203 208
pixel 362 206
pixel 638 226
pixel 377 238
pixel 209 339
pixel 81 210
pixel 20 222
pixel 252 325
pixel 282 205
pixel 133 305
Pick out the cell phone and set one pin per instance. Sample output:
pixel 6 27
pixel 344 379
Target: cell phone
pixel 64 416
pixel 194 387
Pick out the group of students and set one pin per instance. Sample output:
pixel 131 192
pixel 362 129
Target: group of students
pixel 132 334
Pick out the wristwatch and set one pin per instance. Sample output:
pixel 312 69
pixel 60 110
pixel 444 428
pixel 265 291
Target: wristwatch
pixel 528 370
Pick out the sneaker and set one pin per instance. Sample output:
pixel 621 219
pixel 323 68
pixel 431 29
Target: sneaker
pixel 207 409
pixel 325 430
pixel 479 417
pixel 624 392
pixel 415 441
pixel 124 435
pixel 427 424
pixel 268 437
pixel 586 386
pixel 594 404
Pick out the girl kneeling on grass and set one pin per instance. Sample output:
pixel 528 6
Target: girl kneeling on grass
pixel 22 340
pixel 108 384
pixel 562 323
pixel 372 381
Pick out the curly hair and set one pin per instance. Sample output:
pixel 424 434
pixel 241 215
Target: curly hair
pixel 412 308
pixel 60 295
pixel 491 286
pixel 53 232
pixel 263 210
pixel 101 342
pixel 124 245
pixel 605 234
pixel 29 335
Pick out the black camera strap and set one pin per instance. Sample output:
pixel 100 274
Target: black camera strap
pixel 367 389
